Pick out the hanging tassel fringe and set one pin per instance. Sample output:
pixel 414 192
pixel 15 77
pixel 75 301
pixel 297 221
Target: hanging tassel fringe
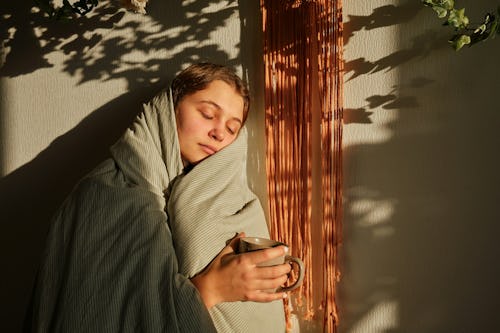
pixel 303 75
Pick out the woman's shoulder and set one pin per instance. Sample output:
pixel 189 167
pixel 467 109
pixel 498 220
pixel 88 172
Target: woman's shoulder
pixel 104 174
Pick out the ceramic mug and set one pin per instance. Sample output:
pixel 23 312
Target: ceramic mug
pixel 249 244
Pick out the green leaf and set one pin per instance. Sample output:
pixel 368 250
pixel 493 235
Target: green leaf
pixel 459 41
pixel 441 12
pixel 446 4
pixel 465 34
pixel 458 19
pixel 441 7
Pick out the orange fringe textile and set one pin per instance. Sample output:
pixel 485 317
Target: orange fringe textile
pixel 303 74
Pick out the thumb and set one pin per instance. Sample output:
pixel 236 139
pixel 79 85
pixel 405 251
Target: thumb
pixel 232 244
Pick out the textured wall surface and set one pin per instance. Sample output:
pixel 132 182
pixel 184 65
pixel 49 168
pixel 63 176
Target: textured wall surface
pixel 68 91
pixel 421 163
pixel 422 174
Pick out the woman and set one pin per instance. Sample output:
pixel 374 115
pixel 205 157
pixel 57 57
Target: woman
pixel 212 201
pixel 110 263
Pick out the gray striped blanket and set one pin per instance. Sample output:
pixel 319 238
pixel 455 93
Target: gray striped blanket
pixel 207 207
pixel 116 261
pixel 110 264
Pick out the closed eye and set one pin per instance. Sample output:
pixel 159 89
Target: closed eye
pixel 206 115
pixel 233 129
pixel 233 126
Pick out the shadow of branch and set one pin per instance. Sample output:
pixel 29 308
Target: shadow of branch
pixel 422 46
pixel 100 45
pixel 381 17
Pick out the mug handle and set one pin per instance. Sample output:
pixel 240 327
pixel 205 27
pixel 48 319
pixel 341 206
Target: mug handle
pixel 297 283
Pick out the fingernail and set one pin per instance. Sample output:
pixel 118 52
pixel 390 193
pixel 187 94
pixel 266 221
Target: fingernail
pixel 286 249
pixel 285 295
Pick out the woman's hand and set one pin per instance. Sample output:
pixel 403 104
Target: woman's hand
pixel 234 277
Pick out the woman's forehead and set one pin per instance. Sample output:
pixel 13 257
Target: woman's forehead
pixel 220 96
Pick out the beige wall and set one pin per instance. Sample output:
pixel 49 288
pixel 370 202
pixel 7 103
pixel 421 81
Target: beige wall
pixel 422 178
pixel 421 165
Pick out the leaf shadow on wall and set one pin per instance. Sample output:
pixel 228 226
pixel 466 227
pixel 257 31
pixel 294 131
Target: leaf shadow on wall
pixel 421 46
pixel 359 301
pixel 420 219
pixel 99 47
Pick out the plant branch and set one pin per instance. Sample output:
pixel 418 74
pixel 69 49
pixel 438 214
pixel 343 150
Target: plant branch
pixel 465 33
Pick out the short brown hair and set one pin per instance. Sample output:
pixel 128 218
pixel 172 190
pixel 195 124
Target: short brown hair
pixel 197 76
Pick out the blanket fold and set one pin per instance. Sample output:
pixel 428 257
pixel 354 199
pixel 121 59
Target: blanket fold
pixel 207 207
pixel 110 264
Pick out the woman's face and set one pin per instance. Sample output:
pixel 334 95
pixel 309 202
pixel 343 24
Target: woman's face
pixel 208 120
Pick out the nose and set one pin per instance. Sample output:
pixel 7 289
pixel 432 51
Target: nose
pixel 217 133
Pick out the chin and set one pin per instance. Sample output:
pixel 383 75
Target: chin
pixel 194 161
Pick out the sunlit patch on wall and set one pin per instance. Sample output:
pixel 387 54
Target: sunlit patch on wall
pixel 382 317
pixel 372 212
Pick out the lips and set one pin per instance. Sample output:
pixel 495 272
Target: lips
pixel 208 149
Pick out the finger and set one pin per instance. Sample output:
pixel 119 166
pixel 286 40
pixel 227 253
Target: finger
pixel 264 297
pixel 270 284
pixel 236 241
pixel 236 236
pixel 232 244
pixel 271 272
pixel 260 256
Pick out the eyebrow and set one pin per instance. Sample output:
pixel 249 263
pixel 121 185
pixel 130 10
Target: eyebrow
pixel 218 107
